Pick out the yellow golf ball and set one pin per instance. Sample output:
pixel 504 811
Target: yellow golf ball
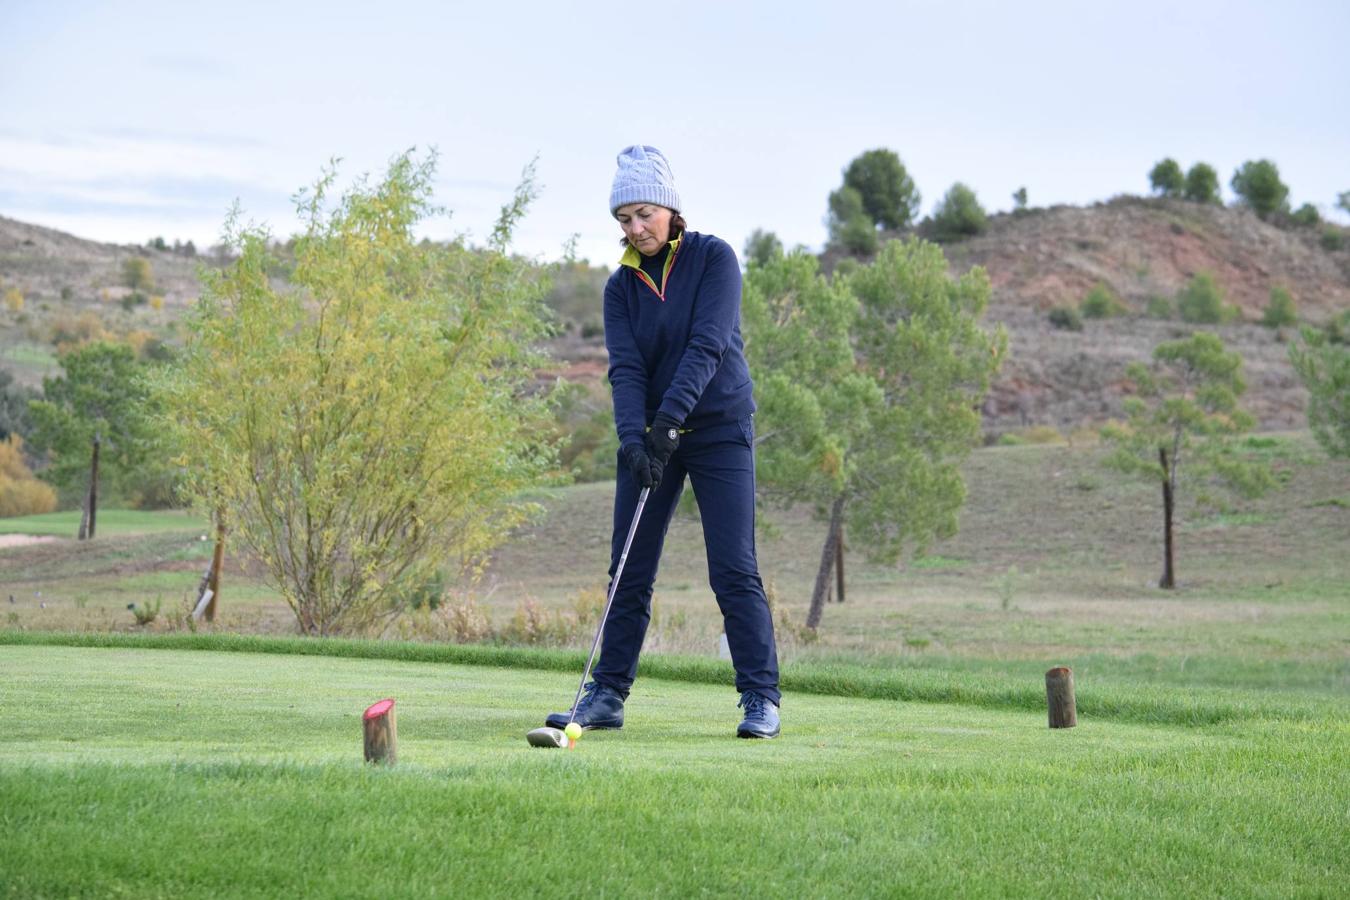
pixel 573 731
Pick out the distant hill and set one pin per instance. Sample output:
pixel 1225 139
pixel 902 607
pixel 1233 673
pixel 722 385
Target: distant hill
pixel 43 262
pixel 1140 248
pixel 1037 259
pixel 72 290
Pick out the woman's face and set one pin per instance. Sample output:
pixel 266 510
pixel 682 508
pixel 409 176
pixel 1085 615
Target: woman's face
pixel 646 225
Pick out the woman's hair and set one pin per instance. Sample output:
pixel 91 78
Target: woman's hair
pixel 677 227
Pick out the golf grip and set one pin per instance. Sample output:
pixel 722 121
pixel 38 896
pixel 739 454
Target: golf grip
pixel 609 601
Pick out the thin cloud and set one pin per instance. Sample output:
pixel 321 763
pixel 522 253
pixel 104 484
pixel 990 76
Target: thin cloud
pixel 75 158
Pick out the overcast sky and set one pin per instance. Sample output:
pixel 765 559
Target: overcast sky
pixel 121 121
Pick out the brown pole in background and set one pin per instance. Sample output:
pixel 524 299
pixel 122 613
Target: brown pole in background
pixel 1168 579
pixel 93 489
pixel 87 521
pixel 216 562
pixel 1059 697
pixel 839 565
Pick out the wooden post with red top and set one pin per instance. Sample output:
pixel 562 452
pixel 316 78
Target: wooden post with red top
pixel 381 733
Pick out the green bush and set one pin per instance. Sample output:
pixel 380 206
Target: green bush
pixel 1258 184
pixel 1307 216
pixel 1322 361
pixel 1166 178
pixel 574 286
pixel 1102 303
pixel 1333 238
pixel 137 274
pixel 1337 329
pixel 1066 318
pixel 1020 200
pixel 1280 311
pixel 590 447
pixel 146 613
pixel 428 592
pixel 14 399
pixel 958 215
pixel 1202 184
pixel 1201 302
pixel 1159 308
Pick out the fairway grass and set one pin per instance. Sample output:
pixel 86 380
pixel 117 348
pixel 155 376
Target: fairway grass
pixel 108 522
pixel 191 773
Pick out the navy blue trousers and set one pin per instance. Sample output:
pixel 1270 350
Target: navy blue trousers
pixel 720 463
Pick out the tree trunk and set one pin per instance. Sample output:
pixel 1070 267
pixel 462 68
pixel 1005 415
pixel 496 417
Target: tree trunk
pixel 839 566
pixel 88 520
pixel 1168 579
pixel 217 560
pixel 381 734
pixel 1059 698
pixel 827 556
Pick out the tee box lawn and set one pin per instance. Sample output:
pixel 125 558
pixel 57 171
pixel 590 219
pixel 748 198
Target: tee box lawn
pixel 154 767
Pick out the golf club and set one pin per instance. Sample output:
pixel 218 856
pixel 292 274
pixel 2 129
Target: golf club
pixel 554 737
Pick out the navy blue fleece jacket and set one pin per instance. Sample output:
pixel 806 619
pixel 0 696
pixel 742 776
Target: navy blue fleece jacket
pixel 677 349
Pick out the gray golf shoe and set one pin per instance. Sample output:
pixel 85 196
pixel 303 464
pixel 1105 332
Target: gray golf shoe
pixel 761 717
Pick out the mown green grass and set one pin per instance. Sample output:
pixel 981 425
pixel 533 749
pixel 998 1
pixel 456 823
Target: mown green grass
pixel 1041 573
pixel 194 773
pixel 109 522
pixel 1104 694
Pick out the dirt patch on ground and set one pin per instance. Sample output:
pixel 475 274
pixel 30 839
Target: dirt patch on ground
pixel 24 540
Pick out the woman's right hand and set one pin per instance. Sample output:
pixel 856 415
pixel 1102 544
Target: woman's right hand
pixel 646 471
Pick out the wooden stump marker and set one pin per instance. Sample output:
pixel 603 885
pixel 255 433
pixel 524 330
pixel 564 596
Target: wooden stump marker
pixel 381 733
pixel 1059 697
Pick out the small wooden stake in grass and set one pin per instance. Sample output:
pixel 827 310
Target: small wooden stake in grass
pixel 381 733
pixel 1059 697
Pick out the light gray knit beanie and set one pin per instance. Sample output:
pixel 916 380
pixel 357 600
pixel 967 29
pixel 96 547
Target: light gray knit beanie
pixel 643 177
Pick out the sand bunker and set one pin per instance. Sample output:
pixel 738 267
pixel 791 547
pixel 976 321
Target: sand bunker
pixel 23 540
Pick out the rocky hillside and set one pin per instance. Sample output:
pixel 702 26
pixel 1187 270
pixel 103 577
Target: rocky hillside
pixel 1038 259
pixel 48 264
pixel 1141 248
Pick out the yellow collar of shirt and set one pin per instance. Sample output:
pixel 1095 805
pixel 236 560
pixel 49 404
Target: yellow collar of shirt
pixel 632 258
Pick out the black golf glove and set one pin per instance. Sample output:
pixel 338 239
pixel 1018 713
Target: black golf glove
pixel 663 438
pixel 640 464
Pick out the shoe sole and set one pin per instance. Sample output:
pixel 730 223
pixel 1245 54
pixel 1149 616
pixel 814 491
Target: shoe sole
pixel 756 735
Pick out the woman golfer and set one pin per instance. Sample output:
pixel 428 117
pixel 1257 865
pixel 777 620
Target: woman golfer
pixel 682 406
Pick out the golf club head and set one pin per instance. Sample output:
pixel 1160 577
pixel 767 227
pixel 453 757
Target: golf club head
pixel 547 737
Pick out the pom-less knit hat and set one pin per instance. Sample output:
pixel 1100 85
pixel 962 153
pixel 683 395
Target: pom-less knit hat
pixel 643 177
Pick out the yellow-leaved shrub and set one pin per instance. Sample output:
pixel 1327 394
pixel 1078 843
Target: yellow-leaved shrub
pixel 20 493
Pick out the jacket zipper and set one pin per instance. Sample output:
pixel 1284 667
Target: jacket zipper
pixel 665 279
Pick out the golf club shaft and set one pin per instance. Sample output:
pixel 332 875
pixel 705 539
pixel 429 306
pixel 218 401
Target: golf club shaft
pixel 609 601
